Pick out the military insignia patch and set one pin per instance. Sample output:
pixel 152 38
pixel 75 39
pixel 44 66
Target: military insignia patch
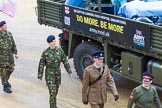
pixel 131 96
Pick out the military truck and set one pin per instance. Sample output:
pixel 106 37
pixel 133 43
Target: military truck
pixel 130 47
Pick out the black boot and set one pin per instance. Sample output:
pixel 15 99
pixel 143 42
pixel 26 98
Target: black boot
pixel 7 89
pixel 9 85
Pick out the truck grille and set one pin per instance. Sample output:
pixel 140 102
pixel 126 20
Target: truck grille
pixel 50 14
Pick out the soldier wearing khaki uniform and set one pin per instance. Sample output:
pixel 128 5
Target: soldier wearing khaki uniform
pixel 96 93
pixel 7 50
pixel 51 58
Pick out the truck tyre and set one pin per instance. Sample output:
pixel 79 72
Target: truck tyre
pixel 82 56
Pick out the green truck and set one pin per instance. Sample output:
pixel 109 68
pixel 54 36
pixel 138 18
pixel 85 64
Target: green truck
pixel 131 47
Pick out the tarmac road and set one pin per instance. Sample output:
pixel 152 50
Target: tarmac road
pixel 28 92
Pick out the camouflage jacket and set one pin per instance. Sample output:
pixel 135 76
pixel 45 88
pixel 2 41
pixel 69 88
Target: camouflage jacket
pixel 51 59
pixel 7 48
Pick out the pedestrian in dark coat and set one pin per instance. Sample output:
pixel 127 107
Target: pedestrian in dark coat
pixel 94 91
pixel 51 59
pixel 145 94
pixel 7 51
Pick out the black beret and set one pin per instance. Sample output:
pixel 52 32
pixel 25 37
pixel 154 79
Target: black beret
pixel 147 75
pixel 99 54
pixel 2 23
pixel 50 38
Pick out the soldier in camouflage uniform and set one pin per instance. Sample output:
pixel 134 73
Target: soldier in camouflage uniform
pixel 51 59
pixel 145 94
pixel 7 49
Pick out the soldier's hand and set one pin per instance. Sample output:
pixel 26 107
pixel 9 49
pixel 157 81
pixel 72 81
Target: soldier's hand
pixel 116 97
pixel 40 81
pixel 85 102
pixel 71 75
pixel 39 78
pixel 16 56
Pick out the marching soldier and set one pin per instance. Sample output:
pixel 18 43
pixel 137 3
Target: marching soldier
pixel 145 94
pixel 51 59
pixel 94 82
pixel 7 49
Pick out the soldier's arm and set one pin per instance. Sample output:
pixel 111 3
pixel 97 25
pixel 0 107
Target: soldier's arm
pixel 41 66
pixel 111 82
pixel 65 61
pixel 85 83
pixel 14 49
pixel 131 100
pixel 135 95
pixel 156 99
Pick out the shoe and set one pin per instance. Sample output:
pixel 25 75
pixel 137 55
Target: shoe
pixel 6 89
pixel 9 85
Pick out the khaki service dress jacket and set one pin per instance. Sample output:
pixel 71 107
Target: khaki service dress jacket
pixel 97 93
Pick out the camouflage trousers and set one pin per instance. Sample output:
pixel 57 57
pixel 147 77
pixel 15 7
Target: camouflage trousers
pixel 5 73
pixel 53 91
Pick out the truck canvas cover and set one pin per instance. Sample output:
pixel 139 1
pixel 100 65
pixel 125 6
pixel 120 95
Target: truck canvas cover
pixel 141 8
pixel 77 3
pixel 113 28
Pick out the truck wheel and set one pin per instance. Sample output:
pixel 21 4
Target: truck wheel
pixel 82 56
